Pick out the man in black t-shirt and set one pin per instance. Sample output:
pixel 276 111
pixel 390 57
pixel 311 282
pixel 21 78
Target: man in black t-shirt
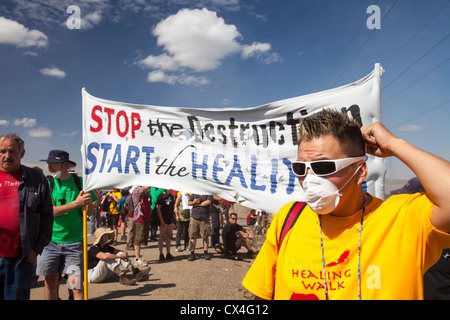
pixel 164 207
pixel 104 261
pixel 234 236
pixel 199 225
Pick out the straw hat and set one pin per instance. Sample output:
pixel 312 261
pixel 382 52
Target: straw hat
pixel 100 232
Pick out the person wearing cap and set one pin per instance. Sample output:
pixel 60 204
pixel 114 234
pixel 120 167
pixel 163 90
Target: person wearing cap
pixel 411 187
pixel 105 261
pixel 64 254
pixel 26 219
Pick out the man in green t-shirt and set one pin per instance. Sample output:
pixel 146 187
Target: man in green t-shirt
pixel 64 254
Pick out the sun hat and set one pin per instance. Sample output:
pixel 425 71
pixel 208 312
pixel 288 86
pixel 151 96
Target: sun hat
pixel 100 232
pixel 59 156
pixel 411 187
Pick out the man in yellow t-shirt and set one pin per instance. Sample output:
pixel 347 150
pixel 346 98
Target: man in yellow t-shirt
pixel 347 244
pixel 113 213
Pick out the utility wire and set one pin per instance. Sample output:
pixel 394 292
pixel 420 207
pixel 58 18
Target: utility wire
pixel 435 46
pixel 364 44
pixel 348 45
pixel 419 115
pixel 401 91
pixel 423 26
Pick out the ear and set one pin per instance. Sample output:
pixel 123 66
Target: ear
pixel 23 153
pixel 361 175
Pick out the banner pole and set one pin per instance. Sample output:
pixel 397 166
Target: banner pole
pixel 85 256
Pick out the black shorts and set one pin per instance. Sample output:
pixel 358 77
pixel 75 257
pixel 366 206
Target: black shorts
pixel 112 219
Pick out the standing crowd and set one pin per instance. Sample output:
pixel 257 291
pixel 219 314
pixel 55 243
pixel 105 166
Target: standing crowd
pixel 41 225
pixel 340 242
pixel 136 213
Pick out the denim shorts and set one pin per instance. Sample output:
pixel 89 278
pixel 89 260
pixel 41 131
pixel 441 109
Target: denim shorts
pixel 61 258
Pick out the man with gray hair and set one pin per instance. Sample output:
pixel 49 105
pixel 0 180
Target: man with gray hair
pixel 26 219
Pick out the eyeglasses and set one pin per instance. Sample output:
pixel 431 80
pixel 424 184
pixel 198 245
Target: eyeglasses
pixel 323 167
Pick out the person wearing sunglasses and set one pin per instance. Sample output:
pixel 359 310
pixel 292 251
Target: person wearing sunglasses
pixel 347 244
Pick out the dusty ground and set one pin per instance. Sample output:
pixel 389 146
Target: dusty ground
pixel 180 279
pixel 216 279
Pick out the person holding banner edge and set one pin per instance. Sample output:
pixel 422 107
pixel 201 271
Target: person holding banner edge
pixel 64 254
pixel 347 244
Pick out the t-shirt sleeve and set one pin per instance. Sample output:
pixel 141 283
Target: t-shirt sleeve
pixel 260 279
pixel 416 211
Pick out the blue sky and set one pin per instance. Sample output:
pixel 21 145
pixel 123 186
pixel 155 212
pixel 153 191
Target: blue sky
pixel 218 53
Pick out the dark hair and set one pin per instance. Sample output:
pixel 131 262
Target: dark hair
pixel 337 124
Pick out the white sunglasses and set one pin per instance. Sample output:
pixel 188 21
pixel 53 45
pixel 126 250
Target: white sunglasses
pixel 323 167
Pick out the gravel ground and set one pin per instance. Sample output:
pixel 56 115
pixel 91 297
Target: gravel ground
pixel 216 279
pixel 179 279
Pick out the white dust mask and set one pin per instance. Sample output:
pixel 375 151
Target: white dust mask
pixel 56 174
pixel 322 195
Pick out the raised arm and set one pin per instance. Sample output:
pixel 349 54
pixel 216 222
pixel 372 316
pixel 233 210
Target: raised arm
pixel 432 171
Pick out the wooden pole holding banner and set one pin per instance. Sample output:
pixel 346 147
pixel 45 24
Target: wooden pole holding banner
pixel 85 256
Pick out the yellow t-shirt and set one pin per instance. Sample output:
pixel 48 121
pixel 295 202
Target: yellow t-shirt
pixel 113 205
pixel 398 244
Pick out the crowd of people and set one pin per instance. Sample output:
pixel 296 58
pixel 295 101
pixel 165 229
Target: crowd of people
pixel 340 243
pixel 135 214
pixel 41 225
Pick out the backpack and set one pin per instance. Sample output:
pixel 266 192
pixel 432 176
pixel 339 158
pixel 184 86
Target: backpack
pixel 121 205
pixel 129 204
pixel 77 180
pixel 106 202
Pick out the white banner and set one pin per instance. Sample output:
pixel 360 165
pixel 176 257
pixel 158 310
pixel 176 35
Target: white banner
pixel 241 155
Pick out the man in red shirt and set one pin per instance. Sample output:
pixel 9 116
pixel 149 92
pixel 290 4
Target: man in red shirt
pixel 26 219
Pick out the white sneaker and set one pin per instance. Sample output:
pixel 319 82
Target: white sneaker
pixel 140 262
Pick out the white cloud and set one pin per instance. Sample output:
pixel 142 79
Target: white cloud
pixel 31 54
pixel 70 134
pixel 261 51
pixel 161 76
pixel 91 20
pixel 163 62
pixel 254 49
pixel 411 127
pixel 25 122
pixel 4 123
pixel 41 132
pixel 53 72
pixel 14 33
pixel 197 39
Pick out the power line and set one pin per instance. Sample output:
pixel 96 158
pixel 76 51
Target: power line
pixel 419 115
pixel 414 82
pixel 435 46
pixel 423 26
pixel 364 44
pixel 348 45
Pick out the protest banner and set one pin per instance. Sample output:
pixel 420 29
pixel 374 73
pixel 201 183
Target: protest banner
pixel 241 155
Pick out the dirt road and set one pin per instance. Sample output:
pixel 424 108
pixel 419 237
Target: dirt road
pixel 179 279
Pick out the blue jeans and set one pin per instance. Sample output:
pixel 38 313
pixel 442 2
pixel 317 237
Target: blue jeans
pixel 95 217
pixel 15 281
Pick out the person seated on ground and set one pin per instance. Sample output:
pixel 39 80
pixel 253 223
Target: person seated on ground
pixel 234 236
pixel 104 261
